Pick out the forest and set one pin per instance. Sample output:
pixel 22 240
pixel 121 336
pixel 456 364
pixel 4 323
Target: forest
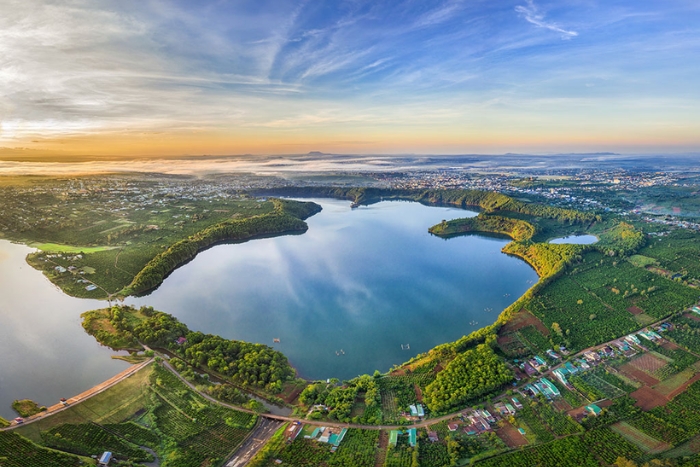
pixel 516 229
pixel 472 374
pixel 255 365
pixel 287 217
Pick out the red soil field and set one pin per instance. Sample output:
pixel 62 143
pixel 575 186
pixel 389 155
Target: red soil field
pixel 511 436
pixel 648 363
pixel 647 398
pixel 636 374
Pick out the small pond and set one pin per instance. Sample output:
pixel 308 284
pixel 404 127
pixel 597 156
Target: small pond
pixel 576 240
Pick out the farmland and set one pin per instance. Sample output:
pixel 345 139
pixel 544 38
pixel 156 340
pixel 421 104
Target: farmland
pixel 103 230
pixel 588 296
pixel 152 408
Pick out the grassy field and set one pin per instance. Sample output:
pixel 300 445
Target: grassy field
pixel 152 408
pixel 111 406
pixel 639 439
pixel 56 248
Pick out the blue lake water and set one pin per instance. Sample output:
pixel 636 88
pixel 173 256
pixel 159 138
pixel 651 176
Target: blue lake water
pixel 345 296
pixel 365 281
pixel 575 240
pixel 46 354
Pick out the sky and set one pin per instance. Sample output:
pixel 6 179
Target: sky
pixel 155 77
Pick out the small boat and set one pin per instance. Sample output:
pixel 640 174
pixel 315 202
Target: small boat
pixel 276 340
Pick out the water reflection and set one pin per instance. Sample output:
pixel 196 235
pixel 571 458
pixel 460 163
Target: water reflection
pixel 363 281
pixel 45 353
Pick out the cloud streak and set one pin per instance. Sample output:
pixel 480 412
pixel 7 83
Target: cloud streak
pixel 532 15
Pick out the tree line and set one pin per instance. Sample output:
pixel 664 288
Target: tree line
pixel 287 217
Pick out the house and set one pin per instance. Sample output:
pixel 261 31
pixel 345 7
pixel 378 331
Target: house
pixel 593 410
pixel 551 353
pixel 180 340
pixel 529 370
pixel 394 436
pixel 547 388
pixel 417 410
pixel 433 436
pixel 571 368
pixel 452 426
pixel 560 374
pixel 60 269
pixel 632 339
pixel 293 431
pixel 105 458
pixel 516 403
pixel 521 431
pixel 591 357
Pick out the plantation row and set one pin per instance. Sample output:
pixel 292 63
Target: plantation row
pixel 675 422
pixel 471 374
pixel 590 304
pixel 586 450
pixel 17 451
pixel 89 439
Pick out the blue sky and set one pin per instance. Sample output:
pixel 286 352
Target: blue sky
pixel 227 77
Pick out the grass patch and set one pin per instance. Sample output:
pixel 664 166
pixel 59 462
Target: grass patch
pixel 58 248
pixel 643 441
pixel 27 407
pixel 111 406
pixel 642 261
pixel 671 384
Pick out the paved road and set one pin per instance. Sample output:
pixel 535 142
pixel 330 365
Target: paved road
pixel 256 440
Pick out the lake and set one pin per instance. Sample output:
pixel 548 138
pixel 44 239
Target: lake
pixel 46 354
pixel 344 297
pixel 362 281
pixel 576 240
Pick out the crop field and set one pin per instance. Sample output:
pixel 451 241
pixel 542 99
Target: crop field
pixel 18 451
pixel 639 439
pixel 649 363
pixel 433 453
pixel 591 303
pixel 559 423
pixel 536 426
pixel 648 398
pixel 511 436
pixel 688 448
pixel 603 386
pixel 534 340
pixel 401 455
pixel 114 405
pixel 616 379
pixel 678 252
pixel 204 433
pixel 672 384
pixel 304 452
pixel 398 392
pixel 358 448
pixel 91 439
pixel 637 375
pixel 677 421
pixel 686 332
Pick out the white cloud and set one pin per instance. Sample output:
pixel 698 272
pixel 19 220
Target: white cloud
pixel 532 14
